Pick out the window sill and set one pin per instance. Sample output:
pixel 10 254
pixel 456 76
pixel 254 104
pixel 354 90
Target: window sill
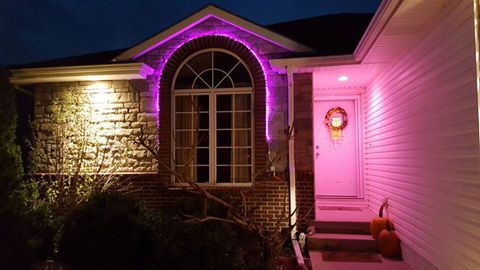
pixel 211 186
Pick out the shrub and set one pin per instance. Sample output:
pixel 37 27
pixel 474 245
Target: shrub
pixel 108 232
pixel 210 245
pixel 27 235
pixel 11 170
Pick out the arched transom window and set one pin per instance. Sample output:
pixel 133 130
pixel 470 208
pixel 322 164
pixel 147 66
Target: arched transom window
pixel 213 119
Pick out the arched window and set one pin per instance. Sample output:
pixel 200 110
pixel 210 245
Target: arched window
pixel 213 118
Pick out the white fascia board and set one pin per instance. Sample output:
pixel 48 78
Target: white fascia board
pixel 384 13
pixel 129 71
pixel 201 16
pixel 279 65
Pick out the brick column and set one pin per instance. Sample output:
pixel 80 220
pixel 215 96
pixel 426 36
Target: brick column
pixel 304 143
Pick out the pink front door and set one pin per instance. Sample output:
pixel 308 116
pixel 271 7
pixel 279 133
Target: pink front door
pixel 336 155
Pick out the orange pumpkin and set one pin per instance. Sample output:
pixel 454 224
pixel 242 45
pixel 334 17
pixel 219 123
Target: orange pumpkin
pixel 388 242
pixel 380 223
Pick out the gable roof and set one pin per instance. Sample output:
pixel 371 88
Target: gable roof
pixel 211 11
pixel 335 34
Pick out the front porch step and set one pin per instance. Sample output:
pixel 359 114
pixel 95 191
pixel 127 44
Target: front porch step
pixel 342 242
pixel 346 230
pixel 350 220
pixel 343 227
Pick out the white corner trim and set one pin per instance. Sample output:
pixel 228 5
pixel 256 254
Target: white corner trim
pixel 202 15
pixel 291 149
pixel 129 71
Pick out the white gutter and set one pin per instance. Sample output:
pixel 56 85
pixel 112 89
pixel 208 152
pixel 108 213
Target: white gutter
pixel 291 149
pixel 129 71
pixel 279 64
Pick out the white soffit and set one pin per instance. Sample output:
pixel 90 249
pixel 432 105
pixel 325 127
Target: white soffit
pixel 358 76
pixel 129 71
pixel 209 12
pixel 311 62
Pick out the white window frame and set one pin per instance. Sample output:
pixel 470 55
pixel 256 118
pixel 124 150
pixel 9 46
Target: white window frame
pixel 212 94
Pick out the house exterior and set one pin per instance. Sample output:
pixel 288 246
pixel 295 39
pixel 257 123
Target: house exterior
pixel 396 116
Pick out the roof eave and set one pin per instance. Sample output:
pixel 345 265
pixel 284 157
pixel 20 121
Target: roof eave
pixel 129 71
pixel 383 15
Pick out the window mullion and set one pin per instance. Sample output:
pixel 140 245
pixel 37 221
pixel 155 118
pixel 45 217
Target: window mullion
pixel 213 71
pixel 227 75
pixel 192 141
pixel 233 139
pixel 198 76
pixel 213 138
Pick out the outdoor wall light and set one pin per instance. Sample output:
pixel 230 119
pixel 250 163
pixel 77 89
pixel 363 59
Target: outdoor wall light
pixel 342 78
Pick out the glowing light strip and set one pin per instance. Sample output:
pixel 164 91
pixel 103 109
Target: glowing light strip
pixel 477 54
pixel 262 65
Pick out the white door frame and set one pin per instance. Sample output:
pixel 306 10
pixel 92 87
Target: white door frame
pixel 359 141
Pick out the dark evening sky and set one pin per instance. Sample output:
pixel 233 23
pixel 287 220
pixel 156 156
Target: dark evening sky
pixel 34 30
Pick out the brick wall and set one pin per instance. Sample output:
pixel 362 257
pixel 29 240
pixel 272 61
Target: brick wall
pixel 266 200
pixel 304 143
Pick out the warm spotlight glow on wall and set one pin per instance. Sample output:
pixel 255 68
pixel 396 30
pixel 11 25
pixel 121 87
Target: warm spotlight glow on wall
pixel 99 96
pixel 100 99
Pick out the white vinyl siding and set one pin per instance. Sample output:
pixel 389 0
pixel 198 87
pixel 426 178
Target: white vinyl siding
pixel 421 144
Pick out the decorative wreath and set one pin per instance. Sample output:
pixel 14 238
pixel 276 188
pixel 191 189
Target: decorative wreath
pixel 330 113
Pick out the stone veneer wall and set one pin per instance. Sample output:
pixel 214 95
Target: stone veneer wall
pixel 115 116
pixel 303 86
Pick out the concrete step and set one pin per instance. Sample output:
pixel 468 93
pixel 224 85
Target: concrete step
pixel 344 227
pixel 351 220
pixel 318 263
pixel 342 242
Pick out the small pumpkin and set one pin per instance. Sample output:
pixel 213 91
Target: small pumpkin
pixel 389 243
pixel 379 223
